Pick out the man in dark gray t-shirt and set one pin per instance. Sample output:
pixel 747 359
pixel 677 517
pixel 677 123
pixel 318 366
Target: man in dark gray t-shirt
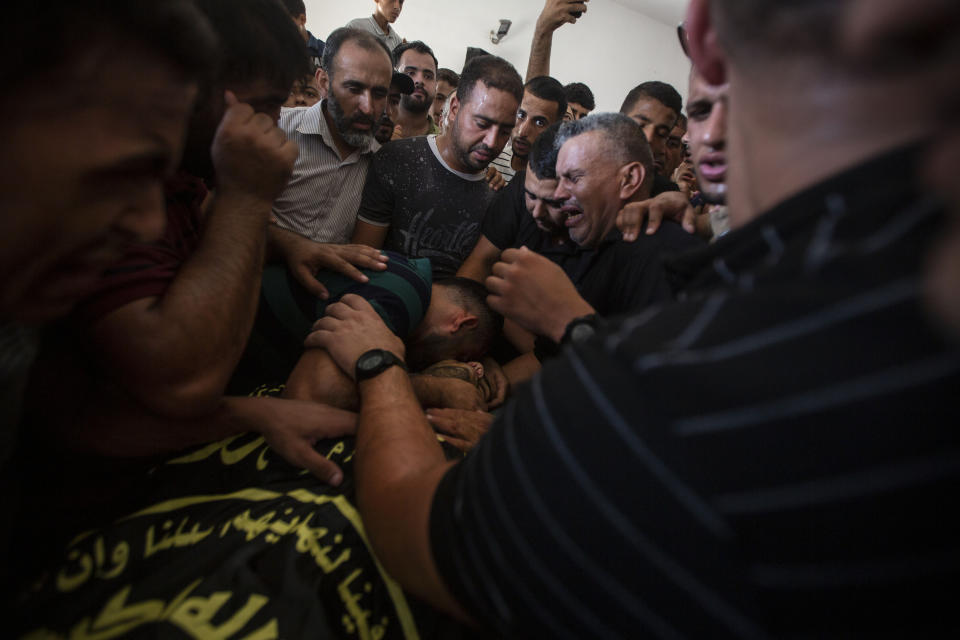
pixel 425 197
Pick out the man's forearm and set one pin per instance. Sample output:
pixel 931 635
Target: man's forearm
pixel 540 51
pixel 398 464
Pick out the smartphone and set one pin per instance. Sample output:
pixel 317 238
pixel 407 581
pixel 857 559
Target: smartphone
pixel 576 14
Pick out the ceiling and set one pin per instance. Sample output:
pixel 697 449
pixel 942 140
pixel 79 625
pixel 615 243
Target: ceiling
pixel 669 12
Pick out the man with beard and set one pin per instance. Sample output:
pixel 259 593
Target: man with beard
pixel 336 139
pixel 425 196
pixel 416 60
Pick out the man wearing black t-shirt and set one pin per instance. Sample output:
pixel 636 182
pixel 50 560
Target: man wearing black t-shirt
pixel 603 163
pixel 425 197
pixel 805 487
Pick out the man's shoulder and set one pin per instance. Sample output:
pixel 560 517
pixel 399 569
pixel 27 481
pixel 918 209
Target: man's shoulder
pixel 670 238
pixel 396 156
pixel 291 118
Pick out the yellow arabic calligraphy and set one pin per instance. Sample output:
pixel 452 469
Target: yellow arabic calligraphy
pixel 192 614
pixel 93 565
pixel 179 538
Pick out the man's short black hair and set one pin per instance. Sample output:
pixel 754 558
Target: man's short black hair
pixel 493 72
pixel 39 38
pixel 363 39
pixel 659 91
pixel 417 45
pixel 472 296
pixel 549 89
pixel 258 41
pixel 543 153
pixel 581 94
pixel 449 76
pixel 295 7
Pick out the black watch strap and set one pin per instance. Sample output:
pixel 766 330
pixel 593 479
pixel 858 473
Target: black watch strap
pixel 375 362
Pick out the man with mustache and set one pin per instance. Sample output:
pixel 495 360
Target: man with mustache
pixel 316 212
pixel 416 60
pixel 425 196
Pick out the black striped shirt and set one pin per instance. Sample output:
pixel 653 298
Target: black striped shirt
pixel 776 455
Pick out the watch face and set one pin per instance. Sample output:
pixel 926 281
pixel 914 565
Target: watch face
pixel 370 360
pixel 582 332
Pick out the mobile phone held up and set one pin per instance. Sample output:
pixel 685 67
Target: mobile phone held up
pixel 576 14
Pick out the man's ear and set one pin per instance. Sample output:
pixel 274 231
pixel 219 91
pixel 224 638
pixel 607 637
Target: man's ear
pixel 323 81
pixel 465 321
pixel 631 179
pixel 707 55
pixel 454 106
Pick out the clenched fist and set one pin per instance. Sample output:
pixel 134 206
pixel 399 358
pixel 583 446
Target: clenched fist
pixel 251 154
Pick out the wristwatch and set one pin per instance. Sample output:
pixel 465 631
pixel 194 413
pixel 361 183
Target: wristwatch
pixel 581 329
pixel 375 362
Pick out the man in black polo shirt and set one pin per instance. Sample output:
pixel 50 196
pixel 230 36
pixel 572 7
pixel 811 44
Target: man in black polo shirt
pixel 593 156
pixel 806 487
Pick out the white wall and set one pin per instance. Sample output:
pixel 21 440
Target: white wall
pixel 612 48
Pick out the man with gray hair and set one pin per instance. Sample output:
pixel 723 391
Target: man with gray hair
pixel 604 162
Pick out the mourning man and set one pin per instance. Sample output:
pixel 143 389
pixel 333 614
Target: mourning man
pixel 435 211
pixel 83 168
pixel 336 140
pixel 149 353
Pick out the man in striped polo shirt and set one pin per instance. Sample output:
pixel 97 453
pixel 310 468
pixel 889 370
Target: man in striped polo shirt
pixel 336 140
pixel 805 487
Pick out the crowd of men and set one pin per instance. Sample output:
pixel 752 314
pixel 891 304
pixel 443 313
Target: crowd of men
pixel 699 359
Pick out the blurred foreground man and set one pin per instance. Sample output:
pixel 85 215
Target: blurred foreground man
pixel 84 167
pixel 806 489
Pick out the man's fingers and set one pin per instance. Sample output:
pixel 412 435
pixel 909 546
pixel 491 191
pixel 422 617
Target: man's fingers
pixel 230 98
pixel 305 277
pixel 324 469
pixel 343 266
pixel 318 338
pixel 690 219
pixel 654 217
pixel 462 445
pixel 357 303
pixel 330 422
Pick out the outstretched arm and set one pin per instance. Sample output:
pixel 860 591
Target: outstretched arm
pixel 399 462
pixel 555 14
